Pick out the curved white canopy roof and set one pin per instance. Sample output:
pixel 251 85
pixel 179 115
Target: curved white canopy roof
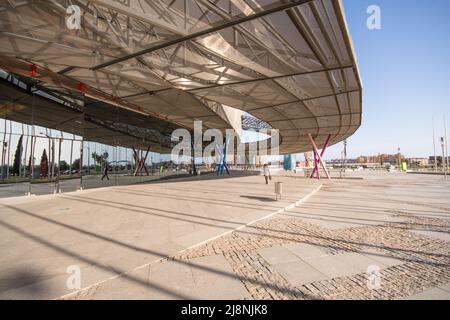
pixel 289 63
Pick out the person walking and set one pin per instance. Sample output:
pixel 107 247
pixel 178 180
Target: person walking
pixel 266 172
pixel 105 172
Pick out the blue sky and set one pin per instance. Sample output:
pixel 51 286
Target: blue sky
pixel 405 69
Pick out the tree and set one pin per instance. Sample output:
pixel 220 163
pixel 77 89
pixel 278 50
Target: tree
pixel 63 165
pixel 18 157
pixel 76 164
pixel 99 158
pixel 44 164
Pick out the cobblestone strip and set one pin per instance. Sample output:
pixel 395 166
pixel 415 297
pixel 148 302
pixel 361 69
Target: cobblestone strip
pixel 398 281
pixel 426 260
pixel 259 278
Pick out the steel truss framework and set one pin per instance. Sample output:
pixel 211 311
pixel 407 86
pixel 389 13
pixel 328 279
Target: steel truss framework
pixel 288 63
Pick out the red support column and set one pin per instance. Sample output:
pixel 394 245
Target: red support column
pixel 318 157
pixel 316 161
pixel 316 166
pixel 140 162
pixel 136 161
pixel 144 166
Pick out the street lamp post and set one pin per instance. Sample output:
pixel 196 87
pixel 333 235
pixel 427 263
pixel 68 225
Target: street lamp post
pixel 58 188
pixel 445 145
pixel 53 158
pixel 4 147
pixel 434 149
pixel 443 157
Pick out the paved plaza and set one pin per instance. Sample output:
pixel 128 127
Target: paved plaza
pixel 109 231
pixel 372 236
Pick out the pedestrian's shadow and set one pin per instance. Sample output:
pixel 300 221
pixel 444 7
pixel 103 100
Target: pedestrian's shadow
pixel 264 199
pixel 26 278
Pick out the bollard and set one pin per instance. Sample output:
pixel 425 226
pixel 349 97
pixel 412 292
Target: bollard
pixel 278 189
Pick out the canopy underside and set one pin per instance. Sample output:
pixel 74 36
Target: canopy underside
pixel 290 64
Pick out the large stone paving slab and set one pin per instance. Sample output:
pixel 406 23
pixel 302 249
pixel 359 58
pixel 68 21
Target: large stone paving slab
pixel 430 294
pixel 301 263
pixel 305 251
pixel 333 215
pixel 341 265
pixel 382 260
pixel 277 255
pixel 215 279
pixel 299 273
pixel 209 277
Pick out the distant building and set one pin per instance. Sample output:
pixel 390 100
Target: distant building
pixel 439 160
pixel 418 162
pixel 303 164
pixel 340 161
pixel 382 159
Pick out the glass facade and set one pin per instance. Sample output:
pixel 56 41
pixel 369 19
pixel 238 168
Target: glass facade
pixel 46 149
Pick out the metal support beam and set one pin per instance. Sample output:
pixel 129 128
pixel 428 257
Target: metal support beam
pixel 151 12
pixel 306 99
pixel 318 157
pixel 304 73
pixel 232 22
pixel 140 162
pixel 316 162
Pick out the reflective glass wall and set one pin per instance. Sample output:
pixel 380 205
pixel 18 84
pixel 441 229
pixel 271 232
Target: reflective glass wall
pixel 37 160
pixel 51 145
pixel 106 165
pixel 15 159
